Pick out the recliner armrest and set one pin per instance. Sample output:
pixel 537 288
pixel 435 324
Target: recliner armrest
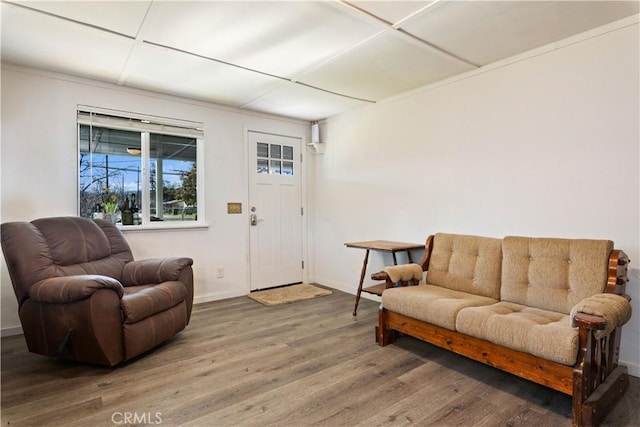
pixel 66 289
pixel 154 270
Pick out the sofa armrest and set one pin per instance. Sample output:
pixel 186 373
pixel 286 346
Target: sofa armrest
pixel 602 312
pixel 154 270
pixel 404 273
pixel 381 275
pixel 67 289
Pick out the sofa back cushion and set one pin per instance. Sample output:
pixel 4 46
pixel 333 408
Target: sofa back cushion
pixel 553 274
pixel 466 263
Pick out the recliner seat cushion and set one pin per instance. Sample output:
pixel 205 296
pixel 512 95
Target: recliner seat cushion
pixel 543 333
pixel 432 304
pixel 148 333
pixel 140 302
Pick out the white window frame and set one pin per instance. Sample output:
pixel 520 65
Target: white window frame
pixel 147 124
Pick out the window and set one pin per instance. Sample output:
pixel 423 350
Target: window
pixel 274 159
pixel 138 170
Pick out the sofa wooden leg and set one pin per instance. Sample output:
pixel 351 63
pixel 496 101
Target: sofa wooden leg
pixel 384 336
pixel 604 397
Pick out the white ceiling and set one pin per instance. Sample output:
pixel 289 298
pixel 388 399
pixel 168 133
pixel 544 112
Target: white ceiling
pixel 302 59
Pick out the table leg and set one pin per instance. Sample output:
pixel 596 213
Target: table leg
pixel 409 257
pixel 395 261
pixel 362 274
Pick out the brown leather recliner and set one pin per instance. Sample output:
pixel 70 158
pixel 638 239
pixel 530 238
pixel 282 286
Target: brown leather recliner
pixel 82 296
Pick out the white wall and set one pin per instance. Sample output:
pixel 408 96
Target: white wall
pixel 545 144
pixel 39 171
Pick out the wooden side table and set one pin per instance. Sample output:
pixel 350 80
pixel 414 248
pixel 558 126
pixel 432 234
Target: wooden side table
pixel 382 246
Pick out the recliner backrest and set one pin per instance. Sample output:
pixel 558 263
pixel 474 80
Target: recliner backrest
pixel 62 246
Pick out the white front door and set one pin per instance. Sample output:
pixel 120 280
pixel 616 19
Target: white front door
pixel 275 210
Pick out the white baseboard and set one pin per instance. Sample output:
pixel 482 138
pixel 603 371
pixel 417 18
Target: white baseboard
pixel 218 296
pixel 11 331
pixel 634 369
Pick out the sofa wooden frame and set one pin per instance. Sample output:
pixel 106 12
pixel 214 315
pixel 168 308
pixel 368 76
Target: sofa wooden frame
pixel 596 382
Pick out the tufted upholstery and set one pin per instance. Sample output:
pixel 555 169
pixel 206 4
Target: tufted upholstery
pixel 543 333
pixel 557 320
pixel 81 296
pixel 518 292
pixel 466 263
pixel 553 274
pixel 433 304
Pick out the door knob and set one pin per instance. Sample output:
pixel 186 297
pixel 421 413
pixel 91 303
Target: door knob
pixel 254 219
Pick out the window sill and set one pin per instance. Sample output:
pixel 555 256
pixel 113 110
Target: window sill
pixel 163 227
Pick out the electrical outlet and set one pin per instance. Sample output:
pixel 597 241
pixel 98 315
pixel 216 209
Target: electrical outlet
pixel 220 272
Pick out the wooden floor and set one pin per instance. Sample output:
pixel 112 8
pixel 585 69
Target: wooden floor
pixel 240 363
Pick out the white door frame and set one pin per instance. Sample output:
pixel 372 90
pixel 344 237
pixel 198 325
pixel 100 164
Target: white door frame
pixel 246 213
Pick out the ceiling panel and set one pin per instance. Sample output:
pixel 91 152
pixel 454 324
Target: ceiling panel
pixel 298 101
pixel 60 45
pixel 162 70
pixel 384 66
pixel 487 31
pixel 391 11
pixel 189 48
pixel 281 38
pixel 123 17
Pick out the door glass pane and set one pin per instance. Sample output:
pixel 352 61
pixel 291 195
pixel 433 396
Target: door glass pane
pixel 287 152
pixel 275 151
pixel 287 168
pixel 263 166
pixel 275 167
pixel 263 149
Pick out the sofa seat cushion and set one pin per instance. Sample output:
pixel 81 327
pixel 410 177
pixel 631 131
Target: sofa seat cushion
pixel 543 333
pixel 140 302
pixel 432 304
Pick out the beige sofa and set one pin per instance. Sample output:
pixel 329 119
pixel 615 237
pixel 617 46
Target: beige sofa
pixel 549 310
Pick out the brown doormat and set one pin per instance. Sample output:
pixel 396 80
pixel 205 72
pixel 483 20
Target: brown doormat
pixel 288 294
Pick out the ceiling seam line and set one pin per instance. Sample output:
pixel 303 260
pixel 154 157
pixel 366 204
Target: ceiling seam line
pixel 395 28
pixel 245 105
pixel 138 39
pixel 335 93
pixel 219 61
pixel 366 13
pixel 335 56
pixel 74 21
pixel 253 71
pixel 415 14
pixel 439 49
